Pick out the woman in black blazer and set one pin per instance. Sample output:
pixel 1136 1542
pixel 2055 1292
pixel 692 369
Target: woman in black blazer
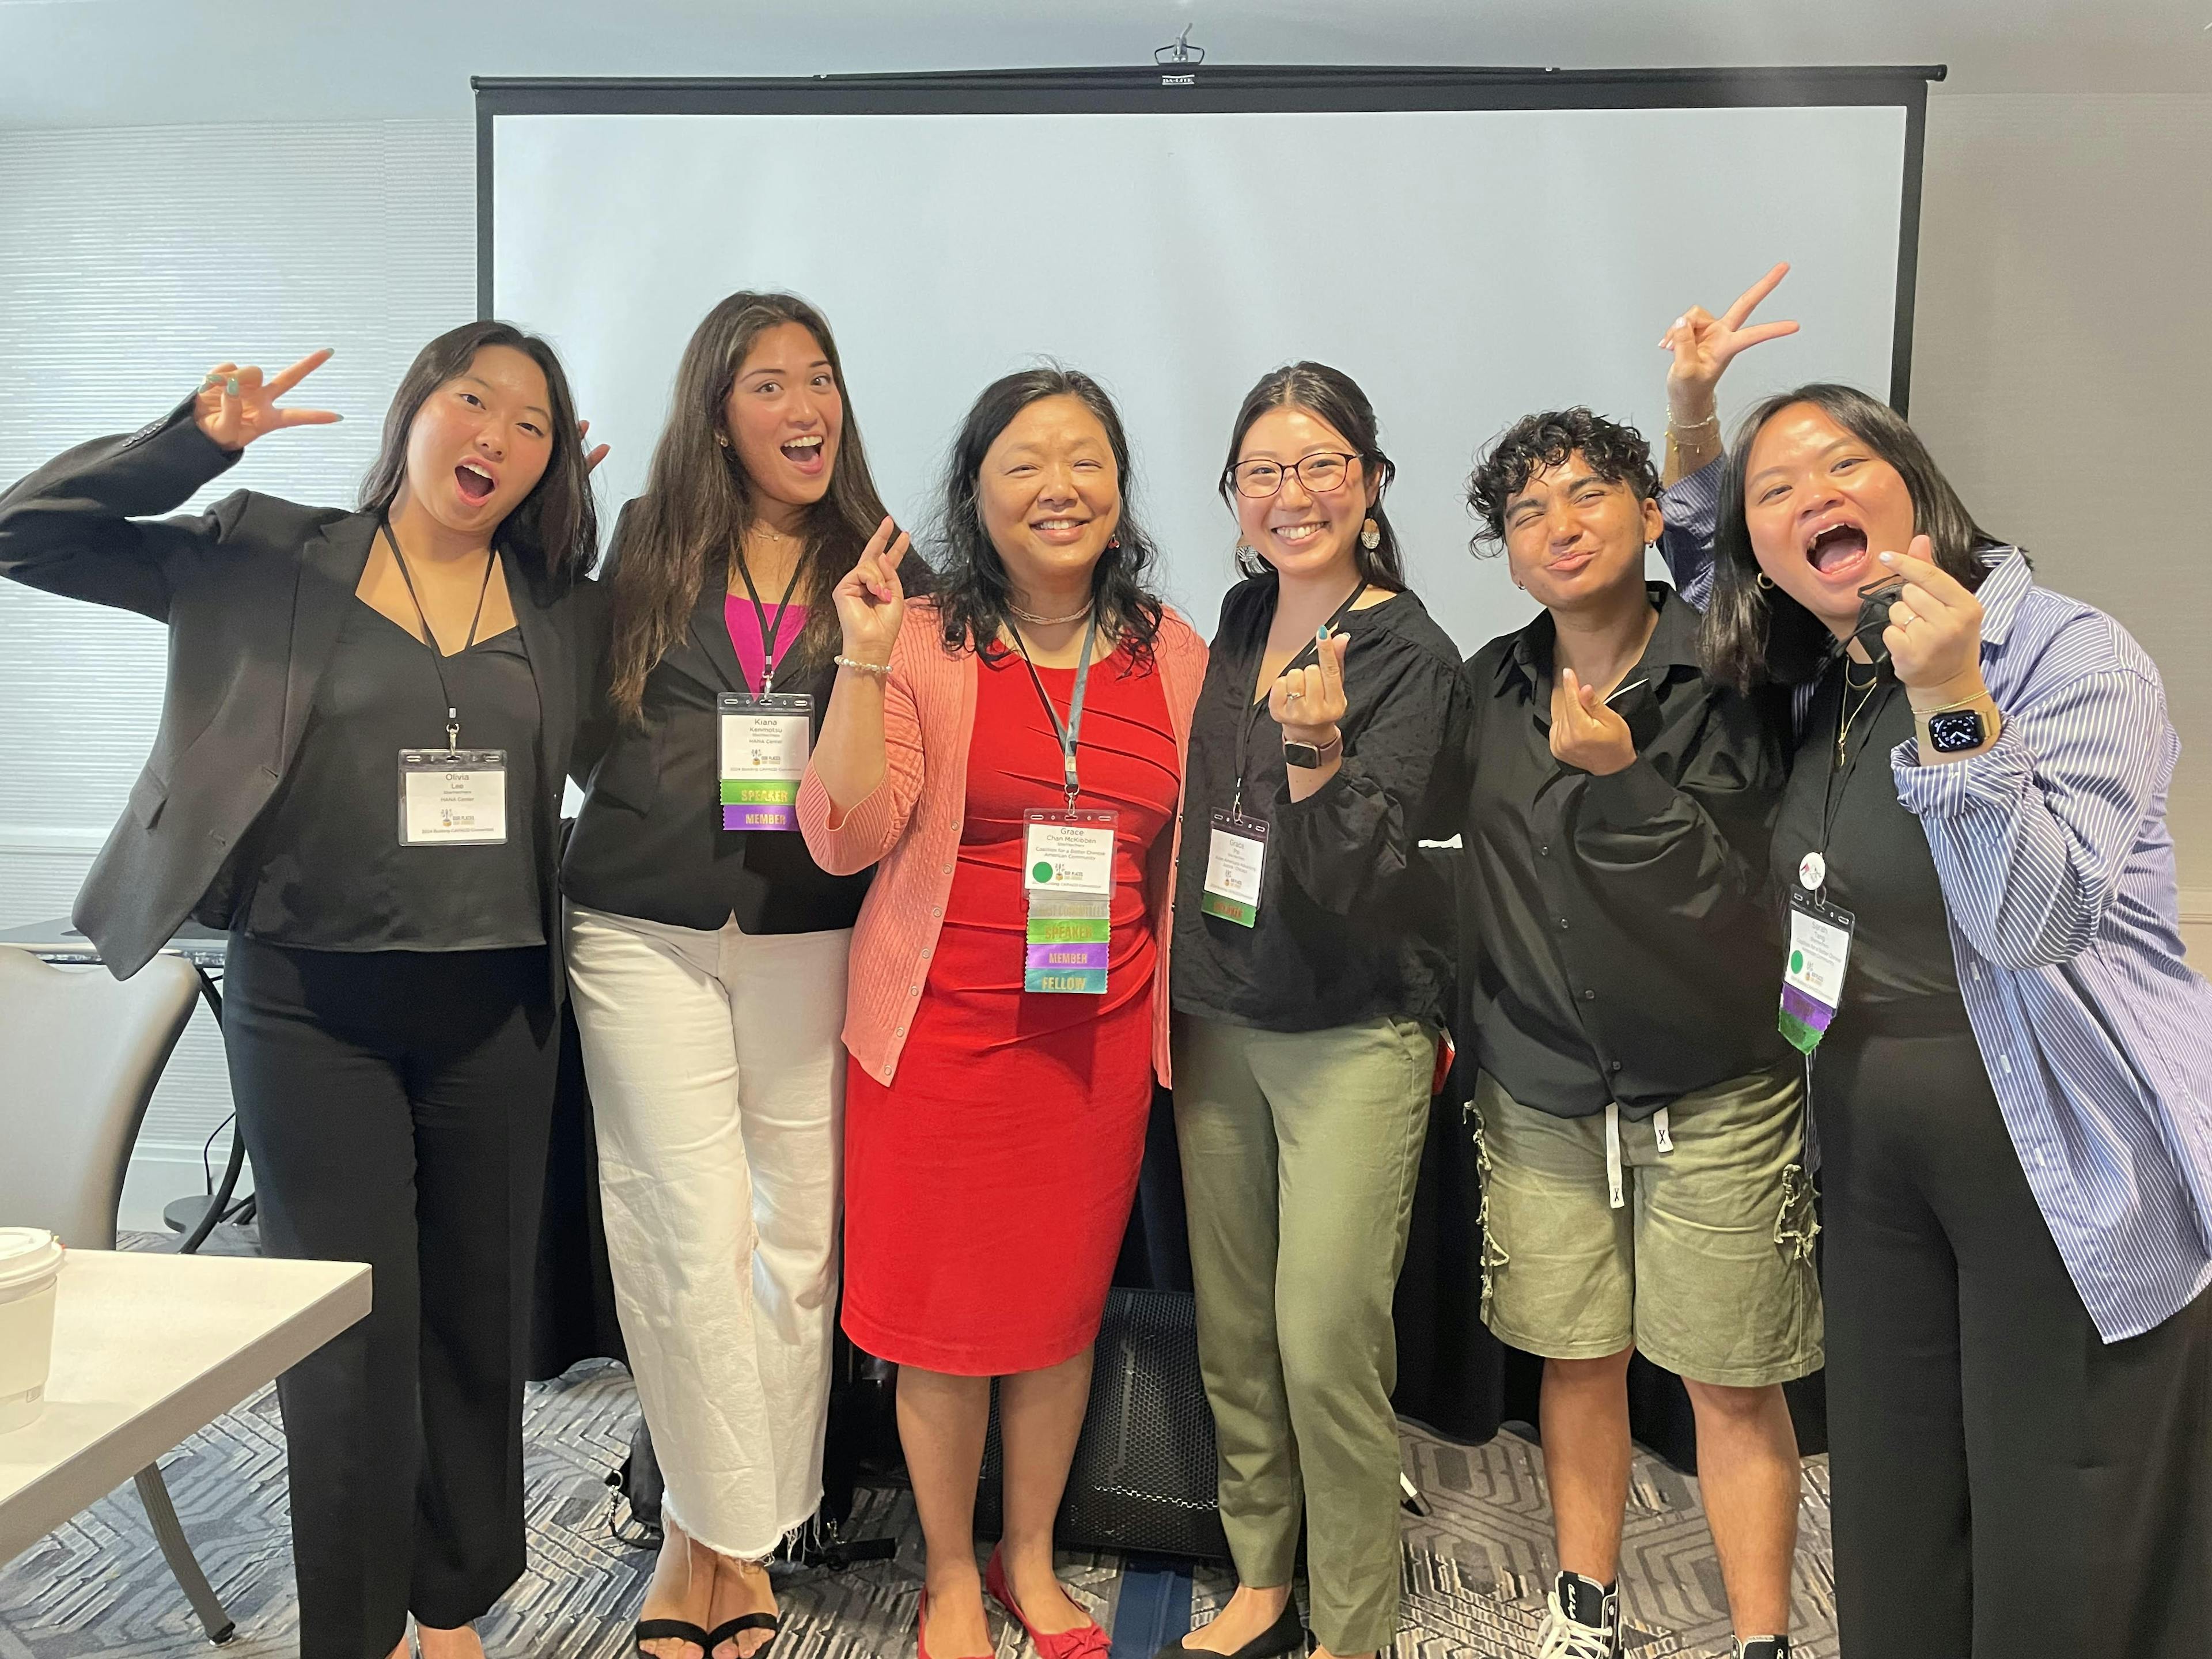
pixel 708 953
pixel 368 719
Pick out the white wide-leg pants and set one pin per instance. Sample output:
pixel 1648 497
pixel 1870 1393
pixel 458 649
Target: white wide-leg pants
pixel 717 1085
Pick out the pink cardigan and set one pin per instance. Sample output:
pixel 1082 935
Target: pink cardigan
pixel 910 824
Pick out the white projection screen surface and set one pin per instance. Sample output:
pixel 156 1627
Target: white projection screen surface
pixel 1465 265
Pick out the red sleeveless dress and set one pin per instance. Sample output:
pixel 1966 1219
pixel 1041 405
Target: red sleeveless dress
pixel 988 1186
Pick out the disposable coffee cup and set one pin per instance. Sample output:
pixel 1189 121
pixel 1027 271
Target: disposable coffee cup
pixel 30 1265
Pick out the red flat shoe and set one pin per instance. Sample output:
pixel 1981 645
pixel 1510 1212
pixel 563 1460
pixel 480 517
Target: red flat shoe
pixel 1086 1642
pixel 921 1629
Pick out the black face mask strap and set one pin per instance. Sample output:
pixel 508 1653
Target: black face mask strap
pixel 1874 601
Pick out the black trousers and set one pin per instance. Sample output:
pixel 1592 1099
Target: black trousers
pixel 2004 1482
pixel 396 1107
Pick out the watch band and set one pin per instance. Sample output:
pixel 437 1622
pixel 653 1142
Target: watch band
pixel 1310 756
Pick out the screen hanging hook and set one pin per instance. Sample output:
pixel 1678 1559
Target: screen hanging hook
pixel 1180 49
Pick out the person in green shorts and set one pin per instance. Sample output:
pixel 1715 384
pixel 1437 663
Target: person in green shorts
pixel 1640 1122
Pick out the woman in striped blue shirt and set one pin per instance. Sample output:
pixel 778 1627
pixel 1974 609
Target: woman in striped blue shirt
pixel 2014 1097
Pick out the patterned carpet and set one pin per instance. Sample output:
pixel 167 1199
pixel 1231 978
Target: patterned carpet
pixel 1475 1567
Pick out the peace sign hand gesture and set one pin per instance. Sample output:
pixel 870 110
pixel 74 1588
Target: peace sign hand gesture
pixel 1587 732
pixel 1703 345
pixel 871 603
pixel 236 405
pixel 1309 702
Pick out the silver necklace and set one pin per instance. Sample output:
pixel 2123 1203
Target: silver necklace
pixel 1035 620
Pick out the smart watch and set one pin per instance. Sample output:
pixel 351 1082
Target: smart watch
pixel 1954 731
pixel 1307 755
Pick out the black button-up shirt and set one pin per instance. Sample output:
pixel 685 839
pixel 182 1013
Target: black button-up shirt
pixel 1354 923
pixel 1619 938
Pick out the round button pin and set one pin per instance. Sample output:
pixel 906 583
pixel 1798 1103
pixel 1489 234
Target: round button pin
pixel 1812 872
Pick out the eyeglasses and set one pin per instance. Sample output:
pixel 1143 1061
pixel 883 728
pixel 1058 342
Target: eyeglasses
pixel 1320 473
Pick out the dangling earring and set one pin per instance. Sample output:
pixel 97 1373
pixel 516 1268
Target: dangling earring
pixel 1370 536
pixel 1112 544
pixel 1245 550
pixel 1765 581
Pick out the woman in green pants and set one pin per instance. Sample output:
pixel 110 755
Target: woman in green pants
pixel 1312 958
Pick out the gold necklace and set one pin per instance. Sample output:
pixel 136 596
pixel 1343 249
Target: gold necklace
pixel 1847 713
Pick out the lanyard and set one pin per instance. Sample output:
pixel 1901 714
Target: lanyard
pixel 1067 733
pixel 1875 702
pixel 437 656
pixel 768 630
pixel 1248 673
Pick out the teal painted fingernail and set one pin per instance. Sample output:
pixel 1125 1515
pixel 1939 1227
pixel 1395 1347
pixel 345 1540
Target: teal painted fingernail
pixel 230 387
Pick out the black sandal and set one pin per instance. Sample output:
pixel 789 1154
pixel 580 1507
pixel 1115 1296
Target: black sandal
pixel 730 1628
pixel 671 1629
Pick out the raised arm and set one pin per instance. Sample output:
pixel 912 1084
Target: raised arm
pixel 79 526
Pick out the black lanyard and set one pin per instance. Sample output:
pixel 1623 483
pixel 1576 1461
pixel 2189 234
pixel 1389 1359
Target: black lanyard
pixel 768 630
pixel 430 638
pixel 1068 733
pixel 1876 703
pixel 1248 672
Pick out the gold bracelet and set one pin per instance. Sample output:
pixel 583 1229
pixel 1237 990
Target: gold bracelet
pixel 878 668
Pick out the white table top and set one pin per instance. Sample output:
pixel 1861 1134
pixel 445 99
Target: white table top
pixel 149 1349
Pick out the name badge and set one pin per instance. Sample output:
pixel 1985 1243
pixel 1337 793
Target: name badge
pixel 1068 874
pixel 454 799
pixel 765 742
pixel 1813 977
pixel 1236 859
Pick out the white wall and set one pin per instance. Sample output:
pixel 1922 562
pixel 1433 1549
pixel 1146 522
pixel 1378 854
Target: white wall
pixel 2062 360
pixel 129 260
pixel 2064 350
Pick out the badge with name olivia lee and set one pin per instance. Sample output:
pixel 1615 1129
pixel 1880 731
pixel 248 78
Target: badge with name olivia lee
pixel 1235 858
pixel 452 797
pixel 1813 977
pixel 765 741
pixel 1068 874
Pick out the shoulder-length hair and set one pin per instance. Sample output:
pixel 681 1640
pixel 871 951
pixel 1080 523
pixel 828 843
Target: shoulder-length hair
pixel 974 591
pixel 1753 635
pixel 1334 397
pixel 553 533
pixel 699 501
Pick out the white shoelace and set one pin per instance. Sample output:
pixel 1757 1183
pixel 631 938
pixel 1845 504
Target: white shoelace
pixel 1563 1638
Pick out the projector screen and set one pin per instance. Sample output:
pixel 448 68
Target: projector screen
pixel 1465 264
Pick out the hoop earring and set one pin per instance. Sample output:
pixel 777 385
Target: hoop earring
pixel 1370 536
pixel 1765 581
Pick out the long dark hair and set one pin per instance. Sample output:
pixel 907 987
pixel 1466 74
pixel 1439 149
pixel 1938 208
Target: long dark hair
pixel 1334 397
pixel 1753 635
pixel 699 501
pixel 553 533
pixel 975 593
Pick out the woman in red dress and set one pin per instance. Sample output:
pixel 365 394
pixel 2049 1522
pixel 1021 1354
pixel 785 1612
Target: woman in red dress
pixel 998 1088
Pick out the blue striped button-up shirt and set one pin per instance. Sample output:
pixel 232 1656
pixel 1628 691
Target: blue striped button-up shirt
pixel 2058 875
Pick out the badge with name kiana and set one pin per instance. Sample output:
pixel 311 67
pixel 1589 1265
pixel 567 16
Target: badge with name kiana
pixel 452 797
pixel 1236 859
pixel 1813 977
pixel 1068 874
pixel 765 741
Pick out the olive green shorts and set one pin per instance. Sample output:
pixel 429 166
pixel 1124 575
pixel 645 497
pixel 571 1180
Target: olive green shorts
pixel 1706 1266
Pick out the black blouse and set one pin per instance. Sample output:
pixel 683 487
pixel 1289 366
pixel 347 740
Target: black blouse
pixel 1879 867
pixel 1354 923
pixel 328 870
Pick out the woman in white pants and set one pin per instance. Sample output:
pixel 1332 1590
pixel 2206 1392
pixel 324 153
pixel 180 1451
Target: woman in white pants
pixel 707 954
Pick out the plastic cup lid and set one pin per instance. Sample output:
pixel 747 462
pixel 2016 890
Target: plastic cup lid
pixel 27 1254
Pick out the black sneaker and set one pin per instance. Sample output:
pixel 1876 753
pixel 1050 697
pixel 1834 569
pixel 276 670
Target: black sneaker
pixel 1584 1623
pixel 1763 1647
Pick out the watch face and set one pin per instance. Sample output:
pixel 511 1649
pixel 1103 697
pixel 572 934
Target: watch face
pixel 1956 729
pixel 1304 755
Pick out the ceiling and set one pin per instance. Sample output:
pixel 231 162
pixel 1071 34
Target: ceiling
pixel 100 63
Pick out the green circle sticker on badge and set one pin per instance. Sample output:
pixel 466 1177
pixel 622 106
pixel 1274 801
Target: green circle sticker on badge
pixel 1041 874
pixel 1796 962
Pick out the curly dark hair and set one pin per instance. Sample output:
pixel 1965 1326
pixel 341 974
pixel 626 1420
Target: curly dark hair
pixel 973 590
pixel 1753 635
pixel 1615 454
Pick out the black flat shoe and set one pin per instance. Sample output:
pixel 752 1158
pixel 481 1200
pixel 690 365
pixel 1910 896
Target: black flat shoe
pixel 730 1628
pixel 670 1630
pixel 1286 1635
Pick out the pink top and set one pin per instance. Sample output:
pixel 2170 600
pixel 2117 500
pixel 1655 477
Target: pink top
pixel 910 824
pixel 743 623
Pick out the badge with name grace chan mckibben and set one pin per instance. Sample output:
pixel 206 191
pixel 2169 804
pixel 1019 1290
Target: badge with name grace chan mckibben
pixel 1813 977
pixel 1067 875
pixel 765 742
pixel 452 797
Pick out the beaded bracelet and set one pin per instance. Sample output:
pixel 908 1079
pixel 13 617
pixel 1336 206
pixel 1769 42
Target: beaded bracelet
pixel 883 668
